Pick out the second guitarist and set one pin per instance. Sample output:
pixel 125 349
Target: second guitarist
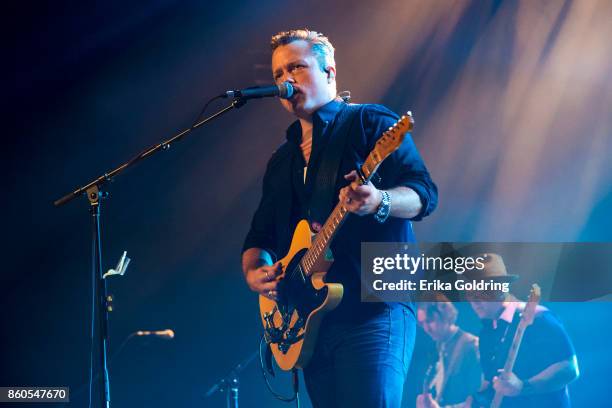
pixel 363 351
pixel 546 361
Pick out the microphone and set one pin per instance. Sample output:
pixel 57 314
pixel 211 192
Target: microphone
pixel 284 90
pixel 164 334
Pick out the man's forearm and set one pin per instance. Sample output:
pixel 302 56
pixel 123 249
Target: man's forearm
pixel 253 258
pixel 552 378
pixel 405 202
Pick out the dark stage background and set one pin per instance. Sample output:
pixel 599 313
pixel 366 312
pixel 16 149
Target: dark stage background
pixel 512 101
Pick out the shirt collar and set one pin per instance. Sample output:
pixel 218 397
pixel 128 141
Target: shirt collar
pixel 327 112
pixel 508 313
pixel 323 116
pixel 448 343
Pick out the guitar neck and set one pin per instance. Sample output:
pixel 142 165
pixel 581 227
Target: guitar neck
pixel 316 252
pixel 321 242
pixel 526 320
pixel 510 360
pixel 514 348
pixel 388 143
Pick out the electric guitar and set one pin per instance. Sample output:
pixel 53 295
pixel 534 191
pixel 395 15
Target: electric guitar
pixel 526 320
pixel 488 398
pixel 304 297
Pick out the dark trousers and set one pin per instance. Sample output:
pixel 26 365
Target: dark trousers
pixel 363 363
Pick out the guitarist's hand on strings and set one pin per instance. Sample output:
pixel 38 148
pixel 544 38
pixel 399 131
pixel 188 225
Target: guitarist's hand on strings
pixel 263 280
pixel 508 384
pixel 360 199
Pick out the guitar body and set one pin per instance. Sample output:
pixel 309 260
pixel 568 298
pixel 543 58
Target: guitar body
pixel 293 322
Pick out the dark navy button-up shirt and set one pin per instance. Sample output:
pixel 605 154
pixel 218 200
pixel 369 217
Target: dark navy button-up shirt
pixel 286 196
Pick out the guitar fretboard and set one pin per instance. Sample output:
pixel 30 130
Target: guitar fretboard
pixel 322 240
pixel 388 143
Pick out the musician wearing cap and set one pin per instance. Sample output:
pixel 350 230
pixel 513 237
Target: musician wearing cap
pixel 546 361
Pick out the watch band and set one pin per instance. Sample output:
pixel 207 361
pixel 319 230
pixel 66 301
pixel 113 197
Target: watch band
pixel 384 208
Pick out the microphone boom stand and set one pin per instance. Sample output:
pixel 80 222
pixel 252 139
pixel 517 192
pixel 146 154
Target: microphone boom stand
pixel 95 193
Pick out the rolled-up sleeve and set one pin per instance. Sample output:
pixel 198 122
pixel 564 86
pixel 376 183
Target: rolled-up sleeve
pixel 404 167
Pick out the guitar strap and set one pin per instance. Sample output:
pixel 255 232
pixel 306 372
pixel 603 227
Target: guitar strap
pixel 323 194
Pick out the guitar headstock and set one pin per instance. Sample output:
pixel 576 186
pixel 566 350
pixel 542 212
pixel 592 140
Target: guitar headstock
pixel 393 138
pixel 534 298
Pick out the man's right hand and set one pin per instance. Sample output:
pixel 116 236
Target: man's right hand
pixel 263 280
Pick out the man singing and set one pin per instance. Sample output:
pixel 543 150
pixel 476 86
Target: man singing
pixel 363 350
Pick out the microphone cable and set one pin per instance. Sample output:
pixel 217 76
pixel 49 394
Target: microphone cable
pixel 197 119
pixel 93 378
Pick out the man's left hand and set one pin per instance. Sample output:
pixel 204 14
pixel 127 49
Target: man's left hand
pixel 508 384
pixel 360 199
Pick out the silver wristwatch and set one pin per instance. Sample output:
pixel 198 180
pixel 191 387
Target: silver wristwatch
pixel 384 208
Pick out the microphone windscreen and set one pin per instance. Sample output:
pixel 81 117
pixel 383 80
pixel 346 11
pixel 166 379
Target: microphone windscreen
pixel 285 90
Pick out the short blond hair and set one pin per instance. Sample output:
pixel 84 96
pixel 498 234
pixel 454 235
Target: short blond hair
pixel 321 47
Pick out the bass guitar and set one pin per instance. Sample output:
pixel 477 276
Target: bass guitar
pixel 526 320
pixel 489 398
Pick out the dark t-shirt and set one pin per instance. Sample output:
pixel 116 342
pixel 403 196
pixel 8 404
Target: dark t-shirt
pixel 545 342
pixel 286 197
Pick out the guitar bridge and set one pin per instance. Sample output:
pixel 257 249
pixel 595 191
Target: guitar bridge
pixel 285 336
pixel 272 334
